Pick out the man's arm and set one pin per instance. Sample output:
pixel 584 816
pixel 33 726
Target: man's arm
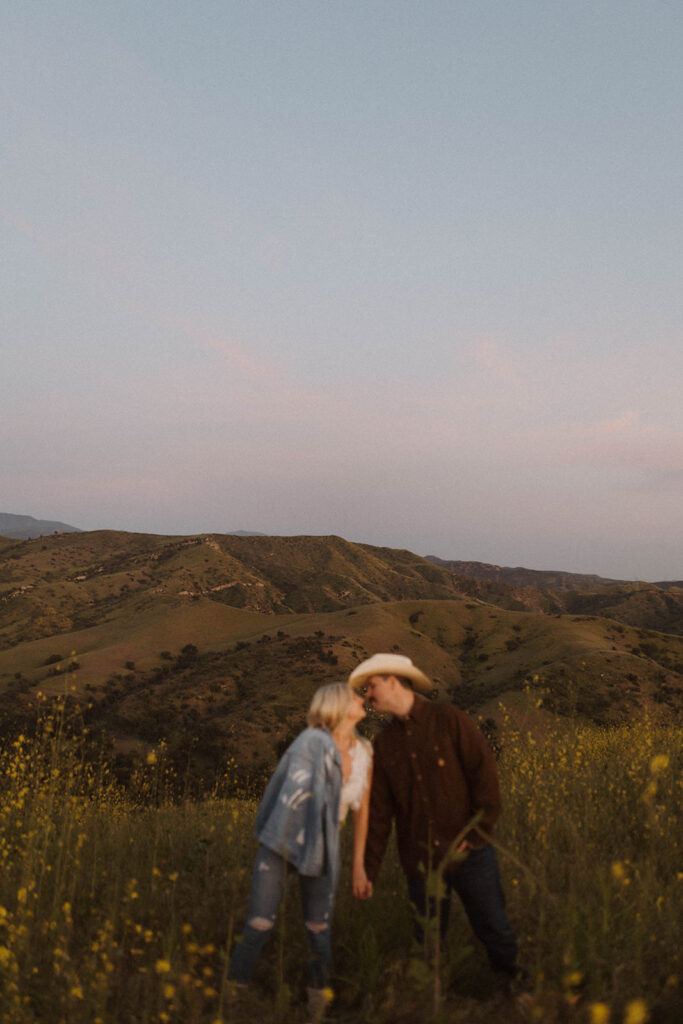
pixel 362 886
pixel 381 815
pixel 481 772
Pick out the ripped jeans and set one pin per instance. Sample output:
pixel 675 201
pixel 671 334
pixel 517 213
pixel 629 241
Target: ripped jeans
pixel 267 886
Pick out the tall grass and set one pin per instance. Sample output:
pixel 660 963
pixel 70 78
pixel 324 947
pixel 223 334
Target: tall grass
pixel 594 821
pixel 121 906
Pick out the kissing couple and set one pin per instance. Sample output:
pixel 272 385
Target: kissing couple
pixel 430 772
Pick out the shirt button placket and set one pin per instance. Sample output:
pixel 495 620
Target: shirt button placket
pixel 416 772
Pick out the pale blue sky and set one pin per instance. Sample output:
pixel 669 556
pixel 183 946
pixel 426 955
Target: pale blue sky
pixel 408 272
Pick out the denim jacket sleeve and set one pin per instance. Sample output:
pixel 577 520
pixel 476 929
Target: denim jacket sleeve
pixel 298 816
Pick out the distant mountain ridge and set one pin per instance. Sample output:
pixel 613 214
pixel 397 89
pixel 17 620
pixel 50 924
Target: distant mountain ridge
pixel 554 579
pixel 27 527
pixel 656 606
pixel 521 577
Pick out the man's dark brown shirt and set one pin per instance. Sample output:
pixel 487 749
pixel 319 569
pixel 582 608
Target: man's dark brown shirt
pixel 432 772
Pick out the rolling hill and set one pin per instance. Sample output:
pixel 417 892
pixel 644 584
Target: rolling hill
pixel 215 643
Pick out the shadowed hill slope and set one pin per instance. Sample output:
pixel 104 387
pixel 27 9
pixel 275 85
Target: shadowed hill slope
pixel 657 606
pixel 216 643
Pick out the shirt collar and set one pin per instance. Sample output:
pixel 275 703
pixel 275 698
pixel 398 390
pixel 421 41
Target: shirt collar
pixel 417 710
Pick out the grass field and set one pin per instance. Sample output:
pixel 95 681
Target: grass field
pixel 120 906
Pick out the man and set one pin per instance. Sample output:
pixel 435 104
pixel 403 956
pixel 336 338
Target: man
pixel 433 772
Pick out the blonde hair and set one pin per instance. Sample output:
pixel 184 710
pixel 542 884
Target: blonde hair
pixel 329 705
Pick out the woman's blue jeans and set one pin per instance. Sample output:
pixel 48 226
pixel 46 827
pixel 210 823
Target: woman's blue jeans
pixel 477 882
pixel 267 887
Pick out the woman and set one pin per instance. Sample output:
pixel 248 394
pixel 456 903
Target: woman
pixel 325 771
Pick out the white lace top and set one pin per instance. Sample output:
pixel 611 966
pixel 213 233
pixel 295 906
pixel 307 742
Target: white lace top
pixel 353 789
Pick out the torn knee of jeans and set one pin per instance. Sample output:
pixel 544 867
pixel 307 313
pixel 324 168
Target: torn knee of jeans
pixel 315 927
pixel 261 924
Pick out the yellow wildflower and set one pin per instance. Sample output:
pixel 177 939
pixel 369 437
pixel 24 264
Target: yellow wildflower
pixel 659 763
pixel 636 1012
pixel 169 991
pixel 162 967
pixel 77 992
pixel 599 1013
pixel 619 872
pixel 151 757
pixel 5 956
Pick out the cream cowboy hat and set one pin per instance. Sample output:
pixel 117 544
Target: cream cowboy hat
pixel 390 665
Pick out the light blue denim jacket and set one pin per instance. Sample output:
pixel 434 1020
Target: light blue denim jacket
pixel 298 816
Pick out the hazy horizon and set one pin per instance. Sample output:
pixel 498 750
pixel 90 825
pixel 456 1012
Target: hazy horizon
pixel 254 533
pixel 405 273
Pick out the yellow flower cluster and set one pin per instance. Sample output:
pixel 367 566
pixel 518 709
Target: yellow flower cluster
pixel 106 900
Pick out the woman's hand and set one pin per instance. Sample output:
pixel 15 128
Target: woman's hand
pixel 362 886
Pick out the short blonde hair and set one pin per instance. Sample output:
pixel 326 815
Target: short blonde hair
pixel 329 705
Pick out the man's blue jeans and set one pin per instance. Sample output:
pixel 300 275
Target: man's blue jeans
pixel 267 886
pixel 477 882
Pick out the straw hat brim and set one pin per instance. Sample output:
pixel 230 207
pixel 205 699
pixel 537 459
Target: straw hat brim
pixel 390 665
